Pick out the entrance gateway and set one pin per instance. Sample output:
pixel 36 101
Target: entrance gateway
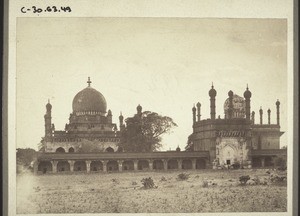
pixel 231 149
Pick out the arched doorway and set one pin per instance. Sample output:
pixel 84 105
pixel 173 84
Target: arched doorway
pixel 63 166
pixel 200 164
pixel 158 165
pixel 143 164
pixel 96 166
pixel 128 165
pixel 172 164
pixel 112 166
pixel 109 149
pixel 71 150
pixel 45 166
pixel 79 166
pixel 60 150
pixel 187 164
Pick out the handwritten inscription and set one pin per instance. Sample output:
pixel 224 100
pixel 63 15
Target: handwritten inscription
pixel 49 9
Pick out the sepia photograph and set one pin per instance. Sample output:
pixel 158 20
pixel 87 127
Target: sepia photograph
pixel 150 114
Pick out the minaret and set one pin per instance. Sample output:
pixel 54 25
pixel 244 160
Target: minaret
pixel 198 111
pixel 47 116
pixel 109 117
pixel 121 118
pixel 247 96
pixel 261 115
pixel 212 94
pixel 269 115
pixel 230 109
pixel 194 114
pixel 253 117
pixel 277 110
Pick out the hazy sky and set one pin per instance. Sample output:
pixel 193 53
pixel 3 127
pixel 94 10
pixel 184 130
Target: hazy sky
pixel 164 64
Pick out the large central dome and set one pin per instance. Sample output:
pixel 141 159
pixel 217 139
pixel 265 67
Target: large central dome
pixel 89 100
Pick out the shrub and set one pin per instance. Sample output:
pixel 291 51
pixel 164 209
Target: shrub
pixel 183 176
pixel 148 183
pixel 243 179
pixel 163 179
pixel 256 180
pixel 236 165
pixel 134 183
pixel 205 183
pixel 116 181
pixel 278 179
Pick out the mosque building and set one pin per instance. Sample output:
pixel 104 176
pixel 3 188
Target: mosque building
pixel 89 142
pixel 236 138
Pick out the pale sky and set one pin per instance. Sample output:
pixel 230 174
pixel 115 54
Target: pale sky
pixel 164 64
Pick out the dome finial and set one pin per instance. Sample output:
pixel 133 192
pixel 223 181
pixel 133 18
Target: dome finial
pixel 247 87
pixel 212 84
pixel 89 82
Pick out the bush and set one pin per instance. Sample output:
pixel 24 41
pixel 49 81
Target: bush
pixel 278 179
pixel 148 183
pixel 115 181
pixel 163 179
pixel 205 183
pixel 243 179
pixel 183 176
pixel 236 165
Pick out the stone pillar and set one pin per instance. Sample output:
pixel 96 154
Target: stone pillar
pixel 193 163
pixel 261 116
pixel 135 165
pixel 120 163
pixel 54 166
pixel 88 166
pixel 179 161
pixel 104 162
pixel 71 162
pixel 278 112
pixel 165 161
pixel 262 162
pixel 150 164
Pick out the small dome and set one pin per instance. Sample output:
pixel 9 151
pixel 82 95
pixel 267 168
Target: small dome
pixel 48 106
pixel 212 92
pixel 277 103
pixel 230 93
pixel 247 93
pixel 198 104
pixel 269 110
pixel 139 108
pixel 194 109
pixel 121 117
pixel 239 107
pixel 89 99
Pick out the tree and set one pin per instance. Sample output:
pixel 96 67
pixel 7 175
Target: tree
pixel 190 145
pixel 25 157
pixel 143 132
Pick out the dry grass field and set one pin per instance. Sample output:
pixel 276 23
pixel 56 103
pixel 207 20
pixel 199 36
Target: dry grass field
pixel 203 191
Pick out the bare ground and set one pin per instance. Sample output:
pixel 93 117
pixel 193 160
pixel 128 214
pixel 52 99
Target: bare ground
pixel 203 191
